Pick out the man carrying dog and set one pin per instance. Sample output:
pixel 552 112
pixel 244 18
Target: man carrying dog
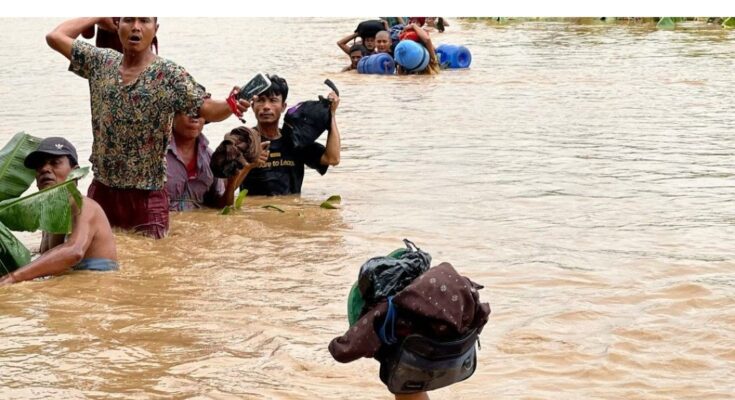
pixel 280 168
pixel 190 183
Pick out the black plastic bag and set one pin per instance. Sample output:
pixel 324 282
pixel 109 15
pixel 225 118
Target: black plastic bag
pixel 381 277
pixel 306 121
pixel 370 28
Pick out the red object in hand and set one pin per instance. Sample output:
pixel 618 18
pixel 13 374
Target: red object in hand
pixel 232 102
pixel 409 35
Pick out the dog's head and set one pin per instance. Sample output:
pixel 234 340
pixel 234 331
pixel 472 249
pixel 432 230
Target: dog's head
pixel 239 148
pixel 247 141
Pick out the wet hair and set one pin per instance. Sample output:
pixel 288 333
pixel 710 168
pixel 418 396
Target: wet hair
pixel 278 86
pixel 356 47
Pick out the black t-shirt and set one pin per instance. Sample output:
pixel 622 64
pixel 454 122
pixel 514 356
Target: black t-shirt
pixel 283 173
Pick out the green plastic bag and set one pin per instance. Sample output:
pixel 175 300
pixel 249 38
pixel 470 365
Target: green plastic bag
pixel 355 302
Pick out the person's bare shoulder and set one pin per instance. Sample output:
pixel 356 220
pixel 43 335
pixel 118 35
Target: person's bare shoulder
pixel 99 231
pixel 94 210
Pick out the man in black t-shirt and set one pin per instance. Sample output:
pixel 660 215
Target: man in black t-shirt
pixel 280 169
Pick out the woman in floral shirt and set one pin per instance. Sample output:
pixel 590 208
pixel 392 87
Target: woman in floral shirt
pixel 134 96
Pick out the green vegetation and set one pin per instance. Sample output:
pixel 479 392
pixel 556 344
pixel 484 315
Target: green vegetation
pixel 48 210
pixel 240 198
pixel 272 207
pixel 15 178
pixel 329 203
pixel 659 22
pixel 13 254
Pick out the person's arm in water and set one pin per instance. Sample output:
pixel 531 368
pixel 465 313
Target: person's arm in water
pixel 50 240
pixel 62 37
pixel 332 152
pixel 342 43
pixel 227 198
pixel 61 258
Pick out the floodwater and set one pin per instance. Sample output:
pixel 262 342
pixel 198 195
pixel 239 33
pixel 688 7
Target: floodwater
pixel 582 172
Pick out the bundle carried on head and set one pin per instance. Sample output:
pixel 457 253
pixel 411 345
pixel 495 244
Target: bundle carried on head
pixel 398 276
pixel 239 148
pixel 369 28
pixel 420 323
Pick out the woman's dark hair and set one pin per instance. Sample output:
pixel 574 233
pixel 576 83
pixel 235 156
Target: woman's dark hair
pixel 356 47
pixel 278 86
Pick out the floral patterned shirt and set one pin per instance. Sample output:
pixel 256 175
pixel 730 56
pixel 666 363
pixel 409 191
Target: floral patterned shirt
pixel 131 123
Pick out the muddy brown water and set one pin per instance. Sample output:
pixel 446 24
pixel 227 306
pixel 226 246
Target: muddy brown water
pixel 582 173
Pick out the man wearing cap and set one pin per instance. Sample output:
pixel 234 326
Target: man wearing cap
pixel 91 244
pixel 134 97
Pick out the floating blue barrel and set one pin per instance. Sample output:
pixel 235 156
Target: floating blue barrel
pixel 453 56
pixel 381 63
pixel 412 56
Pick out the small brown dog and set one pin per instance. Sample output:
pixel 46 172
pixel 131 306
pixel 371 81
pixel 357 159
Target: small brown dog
pixel 239 148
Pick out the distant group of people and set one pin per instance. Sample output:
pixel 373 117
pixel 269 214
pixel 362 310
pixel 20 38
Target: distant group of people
pixel 385 41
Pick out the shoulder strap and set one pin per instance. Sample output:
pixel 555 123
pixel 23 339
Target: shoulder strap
pixel 387 332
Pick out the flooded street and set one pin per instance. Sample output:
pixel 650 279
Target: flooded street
pixel 582 172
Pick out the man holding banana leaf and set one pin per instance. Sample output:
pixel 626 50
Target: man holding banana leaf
pixel 91 243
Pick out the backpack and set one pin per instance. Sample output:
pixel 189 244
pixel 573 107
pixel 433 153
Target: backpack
pixel 418 363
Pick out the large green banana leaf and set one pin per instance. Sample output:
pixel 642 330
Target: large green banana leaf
pixel 48 210
pixel 14 177
pixel 13 254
